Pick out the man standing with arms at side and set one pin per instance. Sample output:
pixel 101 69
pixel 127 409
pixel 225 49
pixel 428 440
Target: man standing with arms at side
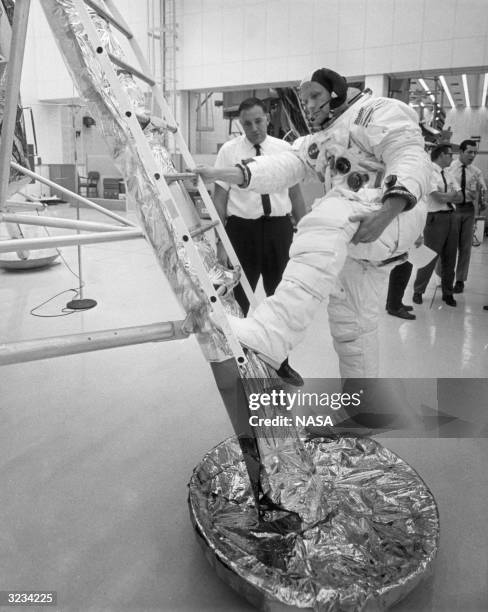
pixel 259 226
pixel 441 231
pixel 472 183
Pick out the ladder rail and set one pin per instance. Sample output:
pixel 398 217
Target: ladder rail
pixel 179 225
pixel 182 146
pixel 123 28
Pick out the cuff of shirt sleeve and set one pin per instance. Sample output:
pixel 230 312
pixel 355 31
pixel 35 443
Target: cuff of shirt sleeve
pixel 225 186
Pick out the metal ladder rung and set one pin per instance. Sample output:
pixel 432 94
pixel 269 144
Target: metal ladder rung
pixel 103 13
pixel 204 228
pixel 108 63
pixel 179 176
pixel 131 69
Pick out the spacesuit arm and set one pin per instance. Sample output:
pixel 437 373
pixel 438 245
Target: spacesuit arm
pixel 396 139
pixel 271 173
pixel 264 174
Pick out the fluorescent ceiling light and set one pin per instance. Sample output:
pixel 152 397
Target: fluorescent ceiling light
pixel 424 85
pixel 485 87
pixel 465 87
pixel 446 89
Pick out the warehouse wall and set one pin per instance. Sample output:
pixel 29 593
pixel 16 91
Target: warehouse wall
pixel 227 43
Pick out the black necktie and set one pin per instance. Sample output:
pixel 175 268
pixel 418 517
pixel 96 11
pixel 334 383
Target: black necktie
pixel 444 180
pixel 463 182
pixel 265 199
pixel 449 204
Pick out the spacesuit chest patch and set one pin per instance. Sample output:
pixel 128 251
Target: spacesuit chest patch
pixel 313 151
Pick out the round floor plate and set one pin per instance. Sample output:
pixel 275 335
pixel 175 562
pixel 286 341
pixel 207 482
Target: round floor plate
pixel 33 261
pixel 378 540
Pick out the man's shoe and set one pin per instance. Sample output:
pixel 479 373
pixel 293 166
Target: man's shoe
pixel 485 307
pixel 289 375
pixel 402 313
pixel 417 298
pixel 458 287
pixel 449 300
pixel 407 307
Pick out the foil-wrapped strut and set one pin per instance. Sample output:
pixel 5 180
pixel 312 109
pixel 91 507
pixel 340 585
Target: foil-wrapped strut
pixel 275 457
pixel 17 180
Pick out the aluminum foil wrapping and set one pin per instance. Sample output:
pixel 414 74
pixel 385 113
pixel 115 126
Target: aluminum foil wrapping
pixel 378 537
pixel 17 180
pixel 286 473
pixel 155 218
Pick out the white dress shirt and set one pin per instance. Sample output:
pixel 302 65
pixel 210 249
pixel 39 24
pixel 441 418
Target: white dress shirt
pixel 474 179
pixel 248 204
pixel 437 184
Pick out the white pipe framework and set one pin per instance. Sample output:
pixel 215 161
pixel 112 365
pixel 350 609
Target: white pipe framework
pixel 57 222
pixel 59 346
pixel 6 246
pixel 71 194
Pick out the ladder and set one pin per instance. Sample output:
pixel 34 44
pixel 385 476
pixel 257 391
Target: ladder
pixel 176 233
pixel 171 187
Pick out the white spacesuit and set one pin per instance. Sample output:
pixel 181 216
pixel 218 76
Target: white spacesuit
pixel 373 139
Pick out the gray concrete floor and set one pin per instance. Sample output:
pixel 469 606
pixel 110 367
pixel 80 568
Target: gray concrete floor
pixel 96 450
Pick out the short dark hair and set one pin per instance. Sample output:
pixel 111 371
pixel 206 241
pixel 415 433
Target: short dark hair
pixel 249 103
pixel 467 143
pixel 439 150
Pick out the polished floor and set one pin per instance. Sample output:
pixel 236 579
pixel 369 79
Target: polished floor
pixel 96 449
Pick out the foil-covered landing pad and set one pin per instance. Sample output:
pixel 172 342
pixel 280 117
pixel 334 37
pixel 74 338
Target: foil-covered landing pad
pixel 378 540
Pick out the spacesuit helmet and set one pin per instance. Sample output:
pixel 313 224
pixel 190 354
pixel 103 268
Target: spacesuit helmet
pixel 322 94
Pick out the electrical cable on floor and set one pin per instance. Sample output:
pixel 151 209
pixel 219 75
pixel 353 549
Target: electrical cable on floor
pixel 64 311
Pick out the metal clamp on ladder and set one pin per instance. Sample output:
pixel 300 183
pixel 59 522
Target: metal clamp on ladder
pixel 167 195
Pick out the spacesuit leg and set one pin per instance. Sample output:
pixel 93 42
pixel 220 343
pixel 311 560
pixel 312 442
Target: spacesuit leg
pixel 354 307
pixel 317 255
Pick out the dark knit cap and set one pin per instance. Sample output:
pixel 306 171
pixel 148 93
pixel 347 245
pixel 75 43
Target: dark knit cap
pixel 335 84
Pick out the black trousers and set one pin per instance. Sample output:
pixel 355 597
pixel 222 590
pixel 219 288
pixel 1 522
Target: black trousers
pixel 440 235
pixel 262 246
pixel 399 277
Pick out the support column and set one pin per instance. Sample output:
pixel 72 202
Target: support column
pixel 378 83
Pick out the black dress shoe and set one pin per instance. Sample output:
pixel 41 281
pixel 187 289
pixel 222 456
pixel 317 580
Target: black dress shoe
pixel 407 307
pixel 289 375
pixel 458 287
pixel 402 313
pixel 417 298
pixel 449 300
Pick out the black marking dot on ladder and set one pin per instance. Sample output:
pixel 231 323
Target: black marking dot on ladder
pixel 240 360
pixel 185 238
pixel 128 114
pixel 213 299
pixel 99 49
pixel 157 176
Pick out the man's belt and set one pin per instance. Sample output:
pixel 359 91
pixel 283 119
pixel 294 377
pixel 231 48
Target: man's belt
pixel 390 260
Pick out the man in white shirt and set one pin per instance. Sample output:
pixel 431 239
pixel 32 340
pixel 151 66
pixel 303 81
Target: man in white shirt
pixel 441 229
pixel 259 226
pixel 472 183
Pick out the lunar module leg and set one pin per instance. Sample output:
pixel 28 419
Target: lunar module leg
pixel 85 32
pixel 367 526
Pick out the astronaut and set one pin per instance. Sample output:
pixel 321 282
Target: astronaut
pixel 369 152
